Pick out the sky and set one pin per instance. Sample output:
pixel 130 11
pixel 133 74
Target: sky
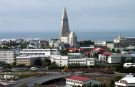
pixel 84 15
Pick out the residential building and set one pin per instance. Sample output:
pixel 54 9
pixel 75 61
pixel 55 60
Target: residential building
pixel 127 81
pixel 54 43
pixel 110 57
pixel 28 56
pixel 110 44
pixel 122 42
pixel 82 61
pixel 80 81
pixel 7 56
pixel 60 60
pixel 100 43
pixel 73 59
pixel 44 44
pixel 28 60
pixel 45 52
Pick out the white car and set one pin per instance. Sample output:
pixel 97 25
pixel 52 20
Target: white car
pixel 33 68
pixel 127 65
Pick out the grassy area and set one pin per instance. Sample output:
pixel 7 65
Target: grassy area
pixel 33 74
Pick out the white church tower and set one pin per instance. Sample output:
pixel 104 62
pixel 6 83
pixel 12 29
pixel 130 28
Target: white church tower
pixel 72 39
pixel 66 36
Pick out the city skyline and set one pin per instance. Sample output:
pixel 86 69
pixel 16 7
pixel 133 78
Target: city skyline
pixel 45 16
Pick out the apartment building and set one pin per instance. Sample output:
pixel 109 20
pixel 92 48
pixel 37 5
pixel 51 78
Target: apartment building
pixel 7 56
pixel 46 52
pixel 28 56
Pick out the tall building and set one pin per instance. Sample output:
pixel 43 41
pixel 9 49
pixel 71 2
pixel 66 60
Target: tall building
pixel 66 36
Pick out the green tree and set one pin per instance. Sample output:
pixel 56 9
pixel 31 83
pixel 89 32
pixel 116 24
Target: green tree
pixel 64 52
pixel 113 50
pixel 54 65
pixel 47 62
pixel 38 62
pixel 21 65
pixel 112 83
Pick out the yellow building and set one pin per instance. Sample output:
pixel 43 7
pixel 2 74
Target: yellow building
pixel 28 60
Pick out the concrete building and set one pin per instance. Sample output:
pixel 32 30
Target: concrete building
pixel 53 43
pixel 82 61
pixel 71 60
pixel 110 44
pixel 79 81
pixel 28 60
pixel 7 56
pixel 44 44
pixel 127 81
pixel 45 52
pixel 110 57
pixel 122 42
pixel 28 56
pixel 66 36
pixel 60 60
pixel 100 43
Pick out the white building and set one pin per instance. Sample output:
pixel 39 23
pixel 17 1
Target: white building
pixel 45 52
pixel 127 81
pixel 110 57
pixel 66 36
pixel 60 60
pixel 7 56
pixel 79 81
pixel 74 59
pixel 54 43
pixel 110 44
pixel 28 56
pixel 100 43
pixel 82 61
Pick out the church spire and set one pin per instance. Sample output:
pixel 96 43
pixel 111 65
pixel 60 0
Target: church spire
pixel 65 26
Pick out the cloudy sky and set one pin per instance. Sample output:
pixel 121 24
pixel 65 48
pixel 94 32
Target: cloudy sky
pixel 84 15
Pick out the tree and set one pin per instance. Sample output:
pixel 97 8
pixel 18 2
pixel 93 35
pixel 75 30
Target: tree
pixel 47 62
pixel 103 85
pixel 38 62
pixel 113 50
pixel 112 83
pixel 54 65
pixel 117 51
pixel 64 52
pixel 95 55
pixel 7 66
pixel 21 65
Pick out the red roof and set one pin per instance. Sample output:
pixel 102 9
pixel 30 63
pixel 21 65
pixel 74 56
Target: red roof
pixel 98 49
pixel 79 78
pixel 107 53
pixel 87 53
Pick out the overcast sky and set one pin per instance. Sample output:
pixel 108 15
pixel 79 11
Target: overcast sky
pixel 84 15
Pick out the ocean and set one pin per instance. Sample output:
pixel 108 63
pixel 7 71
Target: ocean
pixel 80 35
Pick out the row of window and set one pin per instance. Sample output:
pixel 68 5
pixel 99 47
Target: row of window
pixel 76 82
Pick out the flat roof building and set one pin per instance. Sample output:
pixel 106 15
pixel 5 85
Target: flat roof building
pixel 79 81
pixel 127 81
pixel 7 56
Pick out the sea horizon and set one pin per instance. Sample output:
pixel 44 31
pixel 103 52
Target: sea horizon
pixel 94 36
